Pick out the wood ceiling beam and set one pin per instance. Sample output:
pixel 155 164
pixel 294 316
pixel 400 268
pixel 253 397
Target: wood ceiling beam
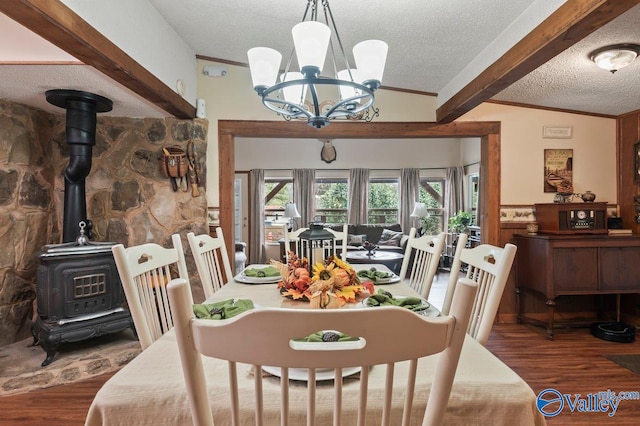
pixel 572 22
pixel 58 24
pixel 355 130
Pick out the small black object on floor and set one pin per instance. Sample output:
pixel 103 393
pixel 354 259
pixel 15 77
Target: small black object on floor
pixel 614 331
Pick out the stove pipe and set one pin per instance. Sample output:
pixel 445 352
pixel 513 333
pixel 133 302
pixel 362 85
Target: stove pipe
pixel 81 136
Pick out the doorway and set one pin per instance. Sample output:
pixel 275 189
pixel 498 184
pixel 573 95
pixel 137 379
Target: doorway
pixel 488 132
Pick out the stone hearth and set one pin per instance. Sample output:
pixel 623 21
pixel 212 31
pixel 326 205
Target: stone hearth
pixel 20 369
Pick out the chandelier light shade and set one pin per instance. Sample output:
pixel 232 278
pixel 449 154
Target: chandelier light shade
pixel 296 95
pixel 266 64
pixel 370 57
pixel 615 57
pixel 311 40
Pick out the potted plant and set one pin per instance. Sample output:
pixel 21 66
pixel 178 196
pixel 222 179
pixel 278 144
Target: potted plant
pixel 459 222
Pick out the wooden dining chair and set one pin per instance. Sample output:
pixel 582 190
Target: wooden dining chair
pixel 292 242
pixel 339 245
pixel 212 260
pixel 421 260
pixel 489 266
pixel 145 270
pixel 385 336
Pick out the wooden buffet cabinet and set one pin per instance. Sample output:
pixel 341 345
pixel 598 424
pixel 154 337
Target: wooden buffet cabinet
pixel 561 265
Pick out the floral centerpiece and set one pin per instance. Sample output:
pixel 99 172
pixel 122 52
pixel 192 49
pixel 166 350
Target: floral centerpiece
pixel 328 284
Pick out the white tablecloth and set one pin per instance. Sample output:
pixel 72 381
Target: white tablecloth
pixel 150 389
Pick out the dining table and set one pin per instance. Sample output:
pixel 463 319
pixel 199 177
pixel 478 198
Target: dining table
pixel 150 389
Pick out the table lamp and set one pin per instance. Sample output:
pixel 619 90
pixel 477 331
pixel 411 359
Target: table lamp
pixel 291 213
pixel 419 211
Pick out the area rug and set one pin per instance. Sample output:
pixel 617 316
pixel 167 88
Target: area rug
pixel 21 370
pixel 628 361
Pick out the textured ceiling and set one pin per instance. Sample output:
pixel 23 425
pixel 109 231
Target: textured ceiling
pixel 431 45
pixel 429 41
pixel 572 81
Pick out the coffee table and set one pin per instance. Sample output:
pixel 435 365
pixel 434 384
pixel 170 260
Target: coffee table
pixel 390 259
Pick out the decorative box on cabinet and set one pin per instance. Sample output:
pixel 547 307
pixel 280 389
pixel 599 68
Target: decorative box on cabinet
pixel 572 218
pixel 562 265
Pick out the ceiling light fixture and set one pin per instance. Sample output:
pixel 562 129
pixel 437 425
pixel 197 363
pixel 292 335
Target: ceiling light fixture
pixel 615 57
pixel 352 87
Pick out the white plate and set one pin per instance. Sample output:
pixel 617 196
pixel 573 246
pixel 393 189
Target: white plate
pixel 431 311
pixel 242 278
pixel 302 374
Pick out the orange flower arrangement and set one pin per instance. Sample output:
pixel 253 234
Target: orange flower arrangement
pixel 329 285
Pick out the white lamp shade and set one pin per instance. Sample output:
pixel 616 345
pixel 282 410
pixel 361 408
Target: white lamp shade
pixel 291 210
pixel 295 94
pixel 370 57
pixel 265 65
pixel 420 210
pixel 311 39
pixel 613 60
pixel 347 92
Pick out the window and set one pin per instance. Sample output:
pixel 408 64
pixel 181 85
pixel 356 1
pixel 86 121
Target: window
pixel 277 192
pixel 432 194
pixel 332 197
pixel 384 200
pixel 474 188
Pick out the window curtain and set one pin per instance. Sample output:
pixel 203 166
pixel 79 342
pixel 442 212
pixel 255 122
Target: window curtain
pixel 304 194
pixel 256 232
pixel 358 196
pixel 478 209
pixel 409 195
pixel 454 194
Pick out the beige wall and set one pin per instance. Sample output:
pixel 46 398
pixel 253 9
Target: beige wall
pixel 594 151
pixel 593 141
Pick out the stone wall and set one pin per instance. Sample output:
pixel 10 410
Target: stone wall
pixel 129 200
pixel 27 212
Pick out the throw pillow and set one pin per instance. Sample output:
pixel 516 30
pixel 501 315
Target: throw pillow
pixel 390 238
pixel 356 240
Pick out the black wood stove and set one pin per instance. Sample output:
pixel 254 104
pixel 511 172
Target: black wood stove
pixel 79 293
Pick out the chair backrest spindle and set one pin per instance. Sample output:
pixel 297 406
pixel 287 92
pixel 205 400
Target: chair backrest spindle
pixel 145 271
pixel 421 260
pixel 489 266
pixel 211 259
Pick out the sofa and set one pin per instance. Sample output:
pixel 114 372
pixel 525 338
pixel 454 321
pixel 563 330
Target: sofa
pixel 388 237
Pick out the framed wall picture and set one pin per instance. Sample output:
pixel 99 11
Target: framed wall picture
pixel 557 132
pixel 636 170
pixel 558 170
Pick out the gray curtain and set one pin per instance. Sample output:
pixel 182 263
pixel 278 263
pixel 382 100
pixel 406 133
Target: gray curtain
pixel 453 193
pixel 478 209
pixel 409 195
pixel 256 230
pixel 358 196
pixel 304 194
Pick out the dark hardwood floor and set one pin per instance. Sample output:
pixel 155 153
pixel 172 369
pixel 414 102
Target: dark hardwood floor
pixel 573 363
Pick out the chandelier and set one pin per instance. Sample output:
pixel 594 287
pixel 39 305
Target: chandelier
pixel 297 95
